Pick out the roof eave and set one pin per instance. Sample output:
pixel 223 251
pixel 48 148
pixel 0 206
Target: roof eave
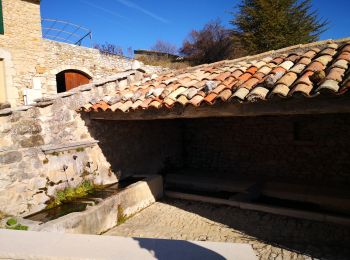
pixel 280 107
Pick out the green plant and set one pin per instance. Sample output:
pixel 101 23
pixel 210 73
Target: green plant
pixel 12 224
pixel 69 194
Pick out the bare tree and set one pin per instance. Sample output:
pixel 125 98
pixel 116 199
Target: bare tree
pixel 165 47
pixel 212 43
pixel 109 49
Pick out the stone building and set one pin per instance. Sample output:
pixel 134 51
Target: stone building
pixel 32 67
pixel 277 122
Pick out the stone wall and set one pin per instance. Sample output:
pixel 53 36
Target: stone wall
pixel 47 147
pixel 20 45
pixel 31 62
pixel 312 149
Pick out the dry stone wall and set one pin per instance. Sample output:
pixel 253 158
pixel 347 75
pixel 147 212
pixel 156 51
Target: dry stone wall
pixel 47 147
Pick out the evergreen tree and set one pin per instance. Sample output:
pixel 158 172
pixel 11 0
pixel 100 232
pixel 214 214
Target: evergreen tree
pixel 273 24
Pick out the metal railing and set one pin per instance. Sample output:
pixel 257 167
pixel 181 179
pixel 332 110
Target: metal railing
pixel 62 31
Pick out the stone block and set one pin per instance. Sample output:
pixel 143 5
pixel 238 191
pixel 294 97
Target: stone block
pixel 32 141
pixel 27 127
pixel 40 69
pixel 10 157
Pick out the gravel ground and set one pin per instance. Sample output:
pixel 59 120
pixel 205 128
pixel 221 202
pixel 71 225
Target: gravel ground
pixel 272 236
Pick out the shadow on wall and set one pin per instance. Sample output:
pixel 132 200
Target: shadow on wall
pixel 139 147
pixel 176 249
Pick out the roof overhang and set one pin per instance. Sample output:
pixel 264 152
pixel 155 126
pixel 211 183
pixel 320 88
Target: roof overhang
pixel 280 107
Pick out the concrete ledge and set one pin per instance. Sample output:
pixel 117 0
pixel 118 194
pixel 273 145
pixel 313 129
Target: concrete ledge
pixel 295 213
pixel 102 217
pixel 35 245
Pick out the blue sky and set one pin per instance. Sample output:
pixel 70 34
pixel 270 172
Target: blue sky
pixel 139 23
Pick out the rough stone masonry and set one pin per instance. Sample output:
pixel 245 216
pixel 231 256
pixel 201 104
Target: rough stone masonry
pixel 46 147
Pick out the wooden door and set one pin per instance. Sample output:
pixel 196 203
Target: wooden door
pixel 75 79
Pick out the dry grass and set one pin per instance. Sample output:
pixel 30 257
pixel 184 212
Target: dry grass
pixel 163 62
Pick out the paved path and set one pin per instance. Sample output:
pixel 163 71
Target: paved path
pixel 272 236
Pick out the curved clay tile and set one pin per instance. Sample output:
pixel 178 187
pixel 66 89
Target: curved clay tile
pixel 304 89
pixel 241 93
pixel 257 93
pixel 329 85
pixel 281 90
pixel 225 94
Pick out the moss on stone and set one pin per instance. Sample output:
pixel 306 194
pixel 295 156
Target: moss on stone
pixel 69 194
pixel 45 161
pixel 11 223
pixel 80 149
pixel 55 154
pixel 121 216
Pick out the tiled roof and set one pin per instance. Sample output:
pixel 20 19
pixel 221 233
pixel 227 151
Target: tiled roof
pixel 299 70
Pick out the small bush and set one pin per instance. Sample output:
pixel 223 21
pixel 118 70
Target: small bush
pixel 69 194
pixel 11 222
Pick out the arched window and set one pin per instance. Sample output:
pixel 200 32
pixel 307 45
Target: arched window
pixel 69 79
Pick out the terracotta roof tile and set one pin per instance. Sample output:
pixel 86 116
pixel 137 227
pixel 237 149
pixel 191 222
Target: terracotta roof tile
pixel 310 54
pixel 211 97
pixel 324 59
pixel 249 84
pixel 288 79
pixel 298 68
pixel 336 74
pixel 196 100
pixel 344 56
pixel 223 76
pixel 244 77
pixel 343 64
pixel 277 60
pixel 315 66
pixel 225 95
pixel 293 58
pixel 257 93
pixel 346 48
pixel 305 78
pixel 241 93
pixel 305 61
pixel 329 85
pixel 304 89
pixel 265 69
pixel 281 90
pixel 306 70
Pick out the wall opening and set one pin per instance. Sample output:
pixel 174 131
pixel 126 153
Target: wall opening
pixel 69 79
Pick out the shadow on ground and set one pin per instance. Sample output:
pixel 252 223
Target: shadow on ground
pixel 176 249
pixel 314 239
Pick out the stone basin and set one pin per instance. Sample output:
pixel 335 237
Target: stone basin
pixel 101 210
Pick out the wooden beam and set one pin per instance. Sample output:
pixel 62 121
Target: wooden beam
pixel 291 106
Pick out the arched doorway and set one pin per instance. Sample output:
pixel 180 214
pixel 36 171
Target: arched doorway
pixel 69 79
